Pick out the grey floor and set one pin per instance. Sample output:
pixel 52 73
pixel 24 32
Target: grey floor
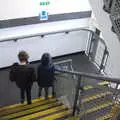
pixel 9 93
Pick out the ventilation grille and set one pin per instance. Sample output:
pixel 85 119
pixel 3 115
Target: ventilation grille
pixel 115 7
pixel 115 18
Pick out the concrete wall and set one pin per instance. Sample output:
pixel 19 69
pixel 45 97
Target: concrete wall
pixel 56 44
pixel 11 9
pixel 111 39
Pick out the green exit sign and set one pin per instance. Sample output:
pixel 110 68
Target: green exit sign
pixel 44 3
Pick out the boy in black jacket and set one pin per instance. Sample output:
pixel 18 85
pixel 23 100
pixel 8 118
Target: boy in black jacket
pixel 24 75
pixel 46 75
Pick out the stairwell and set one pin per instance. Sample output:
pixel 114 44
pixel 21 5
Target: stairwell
pixel 96 104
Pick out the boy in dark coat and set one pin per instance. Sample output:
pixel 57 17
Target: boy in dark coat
pixel 24 75
pixel 45 75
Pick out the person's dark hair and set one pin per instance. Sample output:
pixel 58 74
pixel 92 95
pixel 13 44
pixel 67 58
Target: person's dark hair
pixel 46 59
pixel 23 56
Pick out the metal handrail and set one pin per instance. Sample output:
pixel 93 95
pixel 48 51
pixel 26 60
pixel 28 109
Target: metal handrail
pixel 63 61
pixel 60 31
pixel 91 75
pixel 49 33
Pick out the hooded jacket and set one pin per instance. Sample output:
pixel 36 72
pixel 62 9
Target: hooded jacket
pixel 46 71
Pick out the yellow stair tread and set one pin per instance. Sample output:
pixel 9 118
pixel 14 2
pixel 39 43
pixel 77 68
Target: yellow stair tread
pixel 96 108
pixel 106 117
pixel 19 104
pixel 25 107
pixel 95 97
pixel 87 87
pixel 39 99
pixel 42 113
pixel 103 83
pixel 30 111
pixel 57 115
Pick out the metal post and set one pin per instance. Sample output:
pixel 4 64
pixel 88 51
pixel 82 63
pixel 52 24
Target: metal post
pixel 102 62
pixel 107 55
pixel 91 41
pixel 76 94
pixel 93 46
pixel 116 94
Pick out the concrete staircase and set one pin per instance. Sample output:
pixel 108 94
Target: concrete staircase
pixel 96 104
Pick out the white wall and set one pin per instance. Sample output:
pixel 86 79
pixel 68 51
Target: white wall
pixel 55 44
pixel 110 38
pixel 11 9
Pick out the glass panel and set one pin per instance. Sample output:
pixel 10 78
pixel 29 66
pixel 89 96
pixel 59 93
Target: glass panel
pixel 97 99
pixel 65 84
pixel 65 88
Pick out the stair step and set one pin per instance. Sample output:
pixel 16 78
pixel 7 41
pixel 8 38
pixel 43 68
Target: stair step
pixel 25 107
pixel 21 105
pixel 94 97
pixel 96 102
pixel 31 111
pixel 105 117
pixel 87 87
pixel 41 114
pixel 96 109
pixel 52 109
pixel 99 107
pixel 58 115
pixel 99 113
pixel 18 105
pixel 102 83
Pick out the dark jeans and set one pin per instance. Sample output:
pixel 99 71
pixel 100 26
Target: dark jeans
pixel 28 94
pixel 46 91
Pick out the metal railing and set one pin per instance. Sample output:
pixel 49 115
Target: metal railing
pixel 92 49
pixel 97 51
pixel 80 86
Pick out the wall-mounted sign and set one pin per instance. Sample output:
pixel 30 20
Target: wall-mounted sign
pixel 43 15
pixel 44 9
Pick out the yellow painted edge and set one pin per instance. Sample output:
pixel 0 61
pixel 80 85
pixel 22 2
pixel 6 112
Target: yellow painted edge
pixel 39 114
pixel 88 87
pixel 30 111
pixel 17 109
pixel 95 97
pixel 19 104
pixel 98 107
pixel 58 115
pixel 103 83
pixel 107 116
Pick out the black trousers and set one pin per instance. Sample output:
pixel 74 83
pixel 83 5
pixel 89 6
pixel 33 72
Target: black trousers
pixel 46 91
pixel 28 94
